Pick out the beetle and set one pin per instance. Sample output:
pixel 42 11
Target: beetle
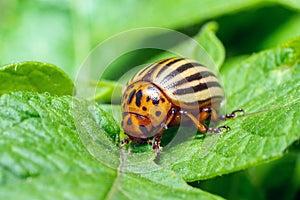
pixel 167 93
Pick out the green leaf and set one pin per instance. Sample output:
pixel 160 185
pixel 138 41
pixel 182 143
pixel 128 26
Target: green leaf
pixel 47 140
pixel 35 76
pixel 294 4
pixel 285 185
pixel 267 86
pixel 43 154
pixel 212 45
pixel 266 181
pixel 106 91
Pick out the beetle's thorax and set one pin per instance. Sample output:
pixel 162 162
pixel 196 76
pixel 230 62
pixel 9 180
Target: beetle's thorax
pixel 145 109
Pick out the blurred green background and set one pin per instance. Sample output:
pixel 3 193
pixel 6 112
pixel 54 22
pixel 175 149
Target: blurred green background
pixel 64 32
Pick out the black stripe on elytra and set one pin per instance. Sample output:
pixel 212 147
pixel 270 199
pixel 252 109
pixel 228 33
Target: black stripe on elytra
pixel 143 70
pixel 205 100
pixel 132 93
pixel 181 69
pixel 167 65
pixel 196 76
pixel 152 68
pixel 196 88
pixel 138 98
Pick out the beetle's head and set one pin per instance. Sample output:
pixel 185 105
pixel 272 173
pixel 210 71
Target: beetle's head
pixel 146 110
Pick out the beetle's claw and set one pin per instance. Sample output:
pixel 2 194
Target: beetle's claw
pixel 227 128
pixel 233 114
pixel 219 129
pixel 125 141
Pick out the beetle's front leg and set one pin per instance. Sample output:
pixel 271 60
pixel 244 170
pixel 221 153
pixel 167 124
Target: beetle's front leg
pixel 156 145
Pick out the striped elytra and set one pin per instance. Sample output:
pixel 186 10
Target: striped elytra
pixel 168 93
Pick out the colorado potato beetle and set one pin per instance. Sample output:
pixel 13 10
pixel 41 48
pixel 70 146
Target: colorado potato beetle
pixel 168 93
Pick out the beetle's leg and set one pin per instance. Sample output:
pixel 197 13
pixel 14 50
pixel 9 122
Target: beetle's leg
pixel 156 144
pixel 125 141
pixel 201 127
pixel 149 141
pixel 206 112
pixel 233 114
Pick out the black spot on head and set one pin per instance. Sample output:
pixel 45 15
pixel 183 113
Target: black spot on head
pixel 132 93
pixel 138 98
pixel 144 108
pixel 129 122
pixel 155 101
pixel 157 113
pixel 148 98
pixel 162 100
